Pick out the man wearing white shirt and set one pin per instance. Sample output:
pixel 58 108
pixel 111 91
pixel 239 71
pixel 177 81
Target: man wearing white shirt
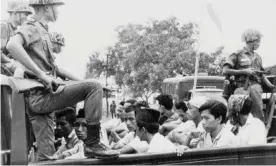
pixel 213 115
pixel 131 142
pixel 147 130
pixel 215 133
pixel 248 129
pixel 64 123
pixel 178 135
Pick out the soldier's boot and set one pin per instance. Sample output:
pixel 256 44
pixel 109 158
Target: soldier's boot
pixel 94 148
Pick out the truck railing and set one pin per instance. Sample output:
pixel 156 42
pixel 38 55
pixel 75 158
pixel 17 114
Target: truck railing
pixel 249 155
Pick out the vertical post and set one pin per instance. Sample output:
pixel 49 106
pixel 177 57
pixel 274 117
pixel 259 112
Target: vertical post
pixel 196 71
pixel 19 150
pixel 106 93
pixel 198 51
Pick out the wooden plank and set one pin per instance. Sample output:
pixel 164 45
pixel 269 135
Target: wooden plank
pixel 5 118
pixel 19 153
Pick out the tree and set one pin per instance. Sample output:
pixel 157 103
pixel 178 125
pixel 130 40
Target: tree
pixel 94 67
pixel 212 63
pixel 145 55
pixel 153 52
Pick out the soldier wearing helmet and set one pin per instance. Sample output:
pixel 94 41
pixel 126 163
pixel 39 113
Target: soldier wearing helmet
pixel 18 13
pixel 58 42
pixel 32 46
pixel 246 67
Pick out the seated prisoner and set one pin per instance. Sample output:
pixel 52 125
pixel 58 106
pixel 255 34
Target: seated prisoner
pixel 178 135
pixel 249 130
pixel 131 143
pixel 116 128
pixel 147 130
pixel 181 109
pixel 213 115
pixel 64 128
pixel 168 118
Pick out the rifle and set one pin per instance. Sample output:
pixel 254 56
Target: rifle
pixel 258 72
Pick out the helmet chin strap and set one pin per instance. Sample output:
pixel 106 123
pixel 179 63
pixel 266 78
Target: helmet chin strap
pixel 20 19
pixel 53 13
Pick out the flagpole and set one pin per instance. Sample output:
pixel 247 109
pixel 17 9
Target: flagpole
pixel 197 52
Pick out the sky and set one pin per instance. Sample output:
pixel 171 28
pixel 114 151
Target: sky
pixel 89 25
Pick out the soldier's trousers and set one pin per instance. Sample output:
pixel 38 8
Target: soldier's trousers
pixel 43 103
pixel 255 92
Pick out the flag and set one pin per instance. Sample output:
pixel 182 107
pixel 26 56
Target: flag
pixel 210 35
pixel 213 15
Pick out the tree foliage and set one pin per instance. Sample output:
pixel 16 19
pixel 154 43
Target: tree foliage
pixel 145 55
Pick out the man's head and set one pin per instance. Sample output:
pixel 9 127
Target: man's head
pixel 64 121
pixel 18 11
pixel 194 105
pixel 130 117
pixel 147 123
pixel 239 107
pixel 252 38
pixel 48 8
pixel 213 113
pixel 58 42
pixel 165 102
pixel 120 113
pixel 113 102
pixel 80 125
pixel 181 109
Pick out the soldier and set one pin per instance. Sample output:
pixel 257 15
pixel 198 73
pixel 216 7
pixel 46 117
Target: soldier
pixel 32 46
pixel 18 13
pixel 113 109
pixel 246 66
pixel 58 42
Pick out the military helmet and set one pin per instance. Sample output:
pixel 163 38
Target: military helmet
pixel 18 6
pixel 46 2
pixel 57 38
pixel 250 35
pixel 24 8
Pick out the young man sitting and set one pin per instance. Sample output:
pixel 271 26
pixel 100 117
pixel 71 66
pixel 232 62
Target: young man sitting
pixel 80 127
pixel 178 135
pixel 64 123
pixel 131 143
pixel 248 129
pixel 213 115
pixel 168 119
pixel 147 130
pixel 181 109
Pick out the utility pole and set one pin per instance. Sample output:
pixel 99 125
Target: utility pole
pixel 106 93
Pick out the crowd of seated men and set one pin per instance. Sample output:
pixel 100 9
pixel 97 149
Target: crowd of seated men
pixel 199 123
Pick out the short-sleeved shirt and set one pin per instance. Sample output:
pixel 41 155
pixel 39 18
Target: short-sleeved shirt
pixel 174 118
pixel 177 134
pixel 224 138
pixel 253 132
pixel 127 138
pixel 138 145
pixel 68 144
pixel 37 43
pixel 242 59
pixel 7 31
pixel 160 144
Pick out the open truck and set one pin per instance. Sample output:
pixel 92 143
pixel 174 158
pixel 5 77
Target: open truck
pixel 15 135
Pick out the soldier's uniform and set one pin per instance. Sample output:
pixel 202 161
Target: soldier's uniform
pixel 242 59
pixel 7 31
pixel 42 103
